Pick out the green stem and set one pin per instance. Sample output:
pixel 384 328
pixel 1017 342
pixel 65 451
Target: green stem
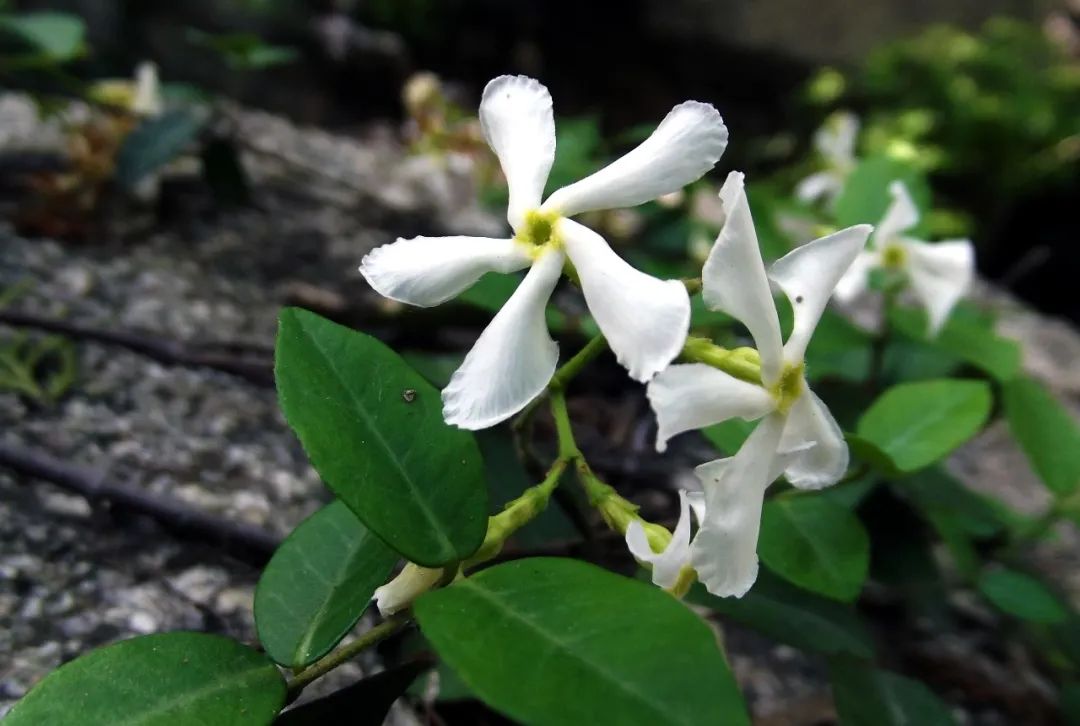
pixel 517 514
pixel 568 448
pixel 572 367
pixel 336 658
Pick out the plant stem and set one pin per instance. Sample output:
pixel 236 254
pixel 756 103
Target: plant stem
pixel 572 367
pixel 335 658
pixel 568 448
pixel 517 514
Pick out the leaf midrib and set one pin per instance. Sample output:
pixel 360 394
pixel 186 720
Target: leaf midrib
pixel 659 711
pixel 338 380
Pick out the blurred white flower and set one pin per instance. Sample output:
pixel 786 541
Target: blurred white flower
pixel 797 437
pixel 645 320
pixel 835 142
pixel 147 100
pixel 939 273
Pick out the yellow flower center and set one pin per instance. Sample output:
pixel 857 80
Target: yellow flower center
pixel 790 386
pixel 540 229
pixel 893 257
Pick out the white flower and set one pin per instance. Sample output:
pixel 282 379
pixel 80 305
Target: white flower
pixel 645 320
pixel 835 142
pixel 667 566
pixel 798 437
pixel 939 273
pixel 147 100
pixel 412 582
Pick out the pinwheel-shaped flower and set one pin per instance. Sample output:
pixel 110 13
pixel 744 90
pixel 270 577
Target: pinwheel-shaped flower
pixel 797 436
pixel 835 142
pixel 939 273
pixel 644 319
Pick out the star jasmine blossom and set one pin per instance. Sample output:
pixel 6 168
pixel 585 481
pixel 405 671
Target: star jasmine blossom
pixel 835 142
pixel 797 436
pixel 644 319
pixel 939 273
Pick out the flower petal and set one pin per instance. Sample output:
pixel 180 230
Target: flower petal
pixel 644 319
pixel 818 185
pixel 809 274
pixel 901 215
pixel 940 274
pixel 857 278
pixel 412 582
pixel 427 271
pixel 724 551
pixel 813 440
pixel 512 360
pixel 666 565
pixel 519 125
pixel 734 279
pixel 147 100
pixel 686 144
pixel 692 396
pixel 835 140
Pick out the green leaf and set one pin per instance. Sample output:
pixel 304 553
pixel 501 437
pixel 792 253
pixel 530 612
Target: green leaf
pixel 815 543
pixel 157 680
pixel 373 428
pixel 838 350
pixel 1022 596
pixel 1047 433
pixel 959 515
pixel 870 453
pixel 729 436
pixel 793 616
pixel 557 641
pixel 318 584
pixel 155 143
pixel 366 702
pixel 60 36
pixel 866 197
pixel 968 336
pixel 916 424
pixel 866 696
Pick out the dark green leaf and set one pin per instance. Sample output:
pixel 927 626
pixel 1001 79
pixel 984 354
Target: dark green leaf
pixel 729 436
pixel 60 36
pixel 968 336
pixel 959 515
pixel 556 641
pixel 917 424
pixel 373 428
pixel 866 696
pixel 871 454
pixel 1047 433
pixel 364 703
pixel 838 350
pixel 155 143
pixel 157 680
pixel 1022 596
pixel 793 616
pixel 866 197
pixel 318 584
pixel 815 543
